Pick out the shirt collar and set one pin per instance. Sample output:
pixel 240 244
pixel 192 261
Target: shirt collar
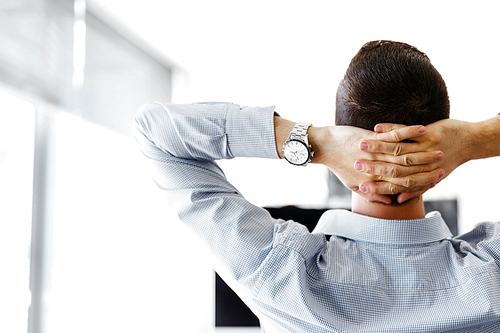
pixel 396 232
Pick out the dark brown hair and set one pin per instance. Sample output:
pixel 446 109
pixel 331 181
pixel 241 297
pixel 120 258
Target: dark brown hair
pixel 391 82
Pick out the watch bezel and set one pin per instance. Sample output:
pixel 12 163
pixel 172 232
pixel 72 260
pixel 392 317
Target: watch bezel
pixel 308 157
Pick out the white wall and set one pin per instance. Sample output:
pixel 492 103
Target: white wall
pixel 292 54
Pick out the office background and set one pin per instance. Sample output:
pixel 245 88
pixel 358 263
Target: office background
pixel 86 241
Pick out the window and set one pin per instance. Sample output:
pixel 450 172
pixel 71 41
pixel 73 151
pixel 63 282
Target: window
pixel 17 129
pixel 99 239
pixel 119 255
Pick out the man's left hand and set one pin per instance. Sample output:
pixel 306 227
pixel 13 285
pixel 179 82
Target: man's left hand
pixel 344 150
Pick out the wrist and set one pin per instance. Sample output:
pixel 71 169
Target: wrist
pixel 317 137
pixel 282 128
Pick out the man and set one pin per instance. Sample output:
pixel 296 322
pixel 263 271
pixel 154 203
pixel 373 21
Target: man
pixel 386 267
pixel 391 83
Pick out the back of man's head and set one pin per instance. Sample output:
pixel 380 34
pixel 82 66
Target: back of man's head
pixel 391 82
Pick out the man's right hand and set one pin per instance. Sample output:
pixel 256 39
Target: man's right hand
pixel 337 147
pixel 459 141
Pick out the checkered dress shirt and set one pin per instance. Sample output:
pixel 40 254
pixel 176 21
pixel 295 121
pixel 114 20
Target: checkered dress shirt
pixel 372 275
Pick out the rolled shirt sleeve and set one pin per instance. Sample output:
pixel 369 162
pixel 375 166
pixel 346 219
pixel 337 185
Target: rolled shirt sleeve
pixel 182 143
pixel 209 131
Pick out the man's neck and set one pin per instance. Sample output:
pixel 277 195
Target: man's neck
pixel 409 210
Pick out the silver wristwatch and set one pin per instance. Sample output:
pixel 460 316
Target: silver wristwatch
pixel 296 148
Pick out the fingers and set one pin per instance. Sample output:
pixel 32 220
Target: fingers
pixel 387 188
pixel 402 197
pixel 396 133
pixel 387 127
pixel 416 181
pixel 392 148
pixel 389 137
pixel 382 170
pixel 400 166
pixel 376 198
pixel 412 183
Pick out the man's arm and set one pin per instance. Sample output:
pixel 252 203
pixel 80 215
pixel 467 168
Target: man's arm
pixel 460 142
pixel 485 137
pixel 337 148
pixel 182 142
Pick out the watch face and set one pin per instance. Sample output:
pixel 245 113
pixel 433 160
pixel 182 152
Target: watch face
pixel 296 152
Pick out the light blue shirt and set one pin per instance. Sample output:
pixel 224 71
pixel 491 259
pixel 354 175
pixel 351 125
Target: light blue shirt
pixel 372 275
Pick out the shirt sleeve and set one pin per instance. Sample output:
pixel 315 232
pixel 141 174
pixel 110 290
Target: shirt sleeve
pixel 182 142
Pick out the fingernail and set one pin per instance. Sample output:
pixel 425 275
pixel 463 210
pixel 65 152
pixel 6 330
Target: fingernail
pixel 363 188
pixel 358 166
pixel 363 146
pixel 441 174
pixel 421 130
pixel 439 157
pixel 379 129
